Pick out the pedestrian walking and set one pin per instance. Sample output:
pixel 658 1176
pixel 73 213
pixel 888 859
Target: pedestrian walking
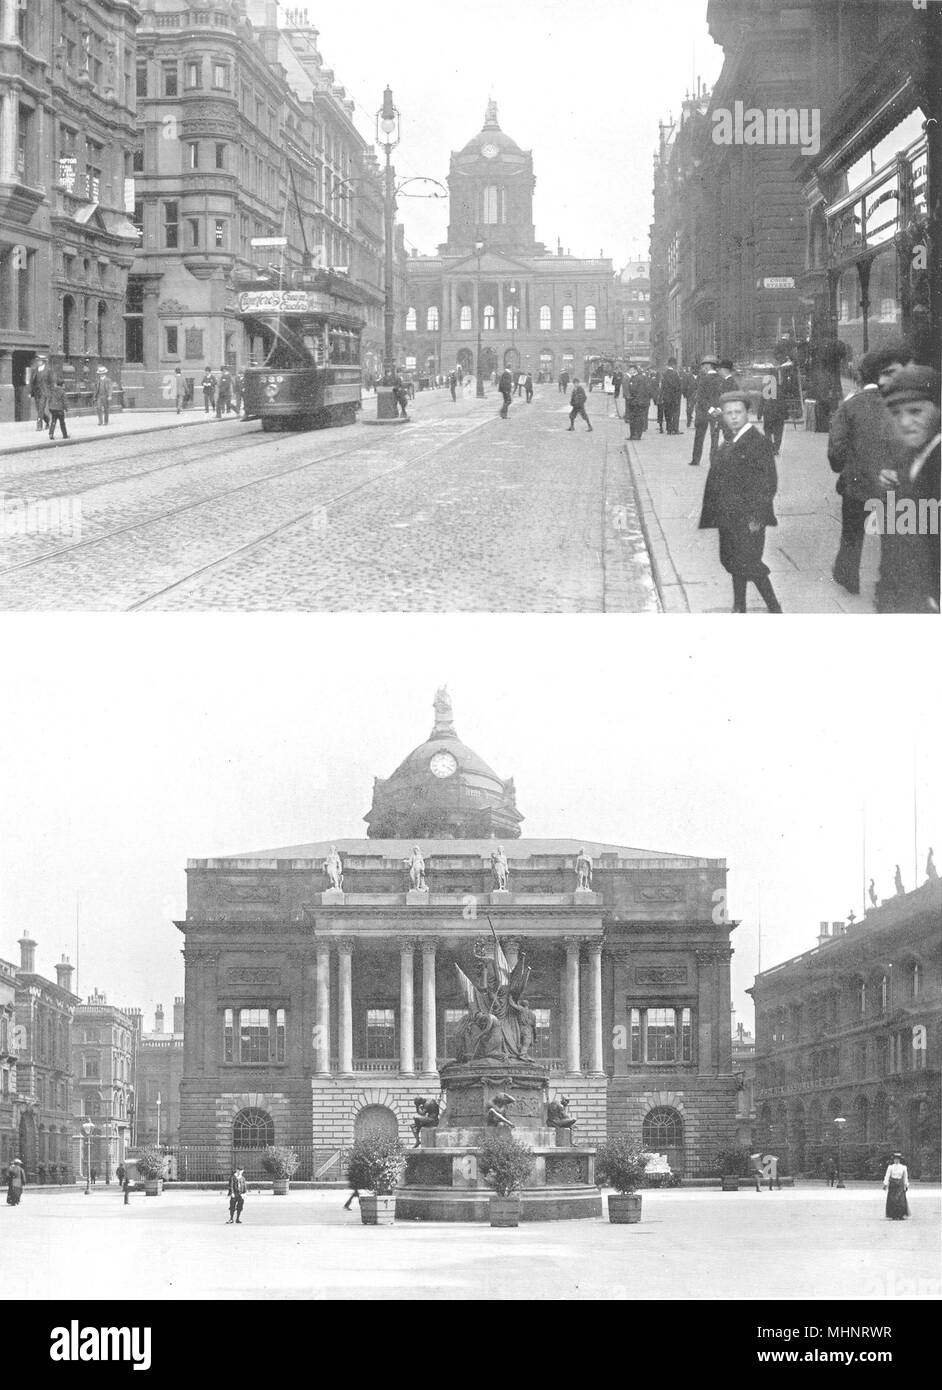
pixel 909 552
pixel 737 499
pixel 528 387
pixel 830 1172
pixel 94 1176
pixel 637 402
pixel 617 378
pixel 124 1182
pixel 102 395
pixel 896 1185
pixel 563 382
pixel 238 390
pixel 16 1181
pixel 863 443
pixel 236 1194
pixel 689 383
pixel 577 405
pixel 707 409
pixel 671 392
pixel 655 381
pixel 209 391
pixel 56 408
pixel 179 389
pixel 400 395
pixel 223 393
pixel 505 387
pixel 39 383
pixel 453 385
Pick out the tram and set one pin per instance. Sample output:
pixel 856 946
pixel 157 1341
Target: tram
pixel 305 346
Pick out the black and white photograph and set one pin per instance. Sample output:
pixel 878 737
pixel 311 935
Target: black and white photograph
pixel 383 891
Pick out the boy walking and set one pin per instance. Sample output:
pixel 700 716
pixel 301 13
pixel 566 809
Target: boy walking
pixel 577 405
pixel 236 1196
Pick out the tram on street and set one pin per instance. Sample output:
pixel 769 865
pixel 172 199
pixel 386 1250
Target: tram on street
pixel 304 346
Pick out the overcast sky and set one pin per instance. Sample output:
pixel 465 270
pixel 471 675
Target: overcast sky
pixel 131 745
pixel 581 86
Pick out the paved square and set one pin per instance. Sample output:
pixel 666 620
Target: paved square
pixel 808 1242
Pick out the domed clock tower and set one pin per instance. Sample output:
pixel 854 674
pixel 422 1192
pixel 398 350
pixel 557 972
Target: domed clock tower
pixel 443 791
pixel 491 185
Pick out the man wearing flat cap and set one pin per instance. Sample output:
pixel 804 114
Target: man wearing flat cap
pixel 740 487
pixel 706 408
pixel 909 566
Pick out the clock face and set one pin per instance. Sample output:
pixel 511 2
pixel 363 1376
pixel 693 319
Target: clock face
pixel 489 151
pixel 442 765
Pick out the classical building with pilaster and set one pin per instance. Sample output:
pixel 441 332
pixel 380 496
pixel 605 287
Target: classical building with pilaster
pixel 314 1008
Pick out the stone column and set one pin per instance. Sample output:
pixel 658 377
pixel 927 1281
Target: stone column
pixel 429 1039
pixel 500 307
pixel 406 1010
pixel 706 1011
pixel 595 1005
pixel 322 1010
pixel 8 117
pixel 573 1049
pixel 345 948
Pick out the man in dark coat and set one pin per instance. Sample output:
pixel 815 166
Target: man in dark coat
pixel 505 386
pixel 209 391
pixel 56 408
pixel 654 379
pixel 740 487
pixel 617 379
pixel 688 381
pixel 453 385
pixel 577 405
pixel 528 387
pixel 39 382
pixel 707 408
pixel 862 443
pixel 236 1195
pixel 637 402
pixel 909 557
pixel 671 392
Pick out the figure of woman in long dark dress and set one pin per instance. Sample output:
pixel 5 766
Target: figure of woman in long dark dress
pixel 16 1181
pixel 896 1185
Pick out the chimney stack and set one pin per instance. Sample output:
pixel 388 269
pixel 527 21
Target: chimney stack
pixel 824 932
pixel 837 928
pixel 64 970
pixel 159 1019
pixel 27 954
pixel 178 1014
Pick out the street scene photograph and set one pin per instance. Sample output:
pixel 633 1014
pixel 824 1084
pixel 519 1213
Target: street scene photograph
pixel 421 1004
pixel 298 305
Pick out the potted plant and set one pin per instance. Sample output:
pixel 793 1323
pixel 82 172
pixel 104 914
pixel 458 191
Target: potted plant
pixel 731 1165
pixel 621 1163
pixel 507 1163
pixel 150 1165
pixel 376 1165
pixel 280 1164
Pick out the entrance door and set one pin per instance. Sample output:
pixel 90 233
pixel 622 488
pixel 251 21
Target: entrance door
pixel 20 379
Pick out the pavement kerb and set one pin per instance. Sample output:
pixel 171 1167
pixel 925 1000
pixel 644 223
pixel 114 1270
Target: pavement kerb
pixel 118 434
pixel 620 579
pixel 670 589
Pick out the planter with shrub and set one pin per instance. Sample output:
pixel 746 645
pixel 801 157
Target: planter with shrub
pixel 730 1165
pixel 280 1164
pixel 376 1165
pixel 507 1163
pixel 150 1165
pixel 621 1163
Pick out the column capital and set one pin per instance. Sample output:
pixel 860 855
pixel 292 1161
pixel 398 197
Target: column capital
pixel 408 943
pixel 431 943
pixel 593 945
pixel 345 944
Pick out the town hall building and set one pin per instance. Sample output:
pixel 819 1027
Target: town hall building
pixel 321 991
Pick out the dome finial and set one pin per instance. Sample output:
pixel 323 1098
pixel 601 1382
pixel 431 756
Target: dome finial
pixel 490 116
pixel 444 719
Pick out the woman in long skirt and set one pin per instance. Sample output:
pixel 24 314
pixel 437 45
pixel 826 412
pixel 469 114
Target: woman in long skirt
pixel 16 1181
pixel 896 1185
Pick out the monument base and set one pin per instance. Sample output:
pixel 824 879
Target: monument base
pixel 548 1204
pixel 417 897
pixel 333 897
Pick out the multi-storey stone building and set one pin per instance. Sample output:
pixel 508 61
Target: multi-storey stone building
pixel 67 129
pixel 313 1010
pixel 535 311
pixel 159 1073
pixel 102 1057
pixel 9 1130
pixel 632 314
pixel 853 1029
pixel 244 136
pixel 44 1077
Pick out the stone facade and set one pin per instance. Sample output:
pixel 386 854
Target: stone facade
pixel 9 1133
pixel 853 1029
pixel 42 1102
pixel 632 317
pixel 159 1071
pixel 67 128
pixel 102 1062
pixel 312 1009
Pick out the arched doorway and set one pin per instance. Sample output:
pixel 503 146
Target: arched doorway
pixel 253 1129
pixel 512 359
pixel 376 1117
pixel 465 360
pixel 663 1132
pixel 546 365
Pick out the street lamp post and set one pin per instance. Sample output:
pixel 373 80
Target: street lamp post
pixel 478 249
pixel 839 1123
pixel 387 134
pixel 88 1129
pixel 158 1119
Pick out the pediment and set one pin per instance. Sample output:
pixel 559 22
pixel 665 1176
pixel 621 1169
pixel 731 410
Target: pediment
pixel 492 263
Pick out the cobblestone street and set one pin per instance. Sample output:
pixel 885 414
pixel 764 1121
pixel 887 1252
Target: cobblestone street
pixel 456 510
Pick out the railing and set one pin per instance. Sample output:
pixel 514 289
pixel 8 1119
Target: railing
pixel 214 1162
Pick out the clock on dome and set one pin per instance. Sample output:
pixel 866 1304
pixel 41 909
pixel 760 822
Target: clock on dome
pixel 489 151
pixel 442 765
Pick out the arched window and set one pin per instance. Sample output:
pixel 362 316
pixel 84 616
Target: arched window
pixel 662 1129
pixel 914 979
pixel 431 319
pixel 490 318
pixel 862 997
pixel 492 206
pixel 513 317
pixel 590 316
pixel 884 994
pixel 569 320
pixel 411 321
pixel 546 318
pixel 253 1129
pixel 464 318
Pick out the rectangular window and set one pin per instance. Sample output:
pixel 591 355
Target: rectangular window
pixel 193 155
pixel 194 74
pixel 24 144
pixel 91 1068
pixel 219 233
pixel 220 156
pixel 221 76
pixel 25 287
pixel 140 80
pixel 254 1035
pixel 171 81
pixel 634 1017
pixel 452 1018
pixel 170 225
pixel 542 1033
pixel 171 336
pixel 137 162
pixel 279 1055
pixel 686 1036
pixel 227 1036
pixel 380 1033
pixel 193 228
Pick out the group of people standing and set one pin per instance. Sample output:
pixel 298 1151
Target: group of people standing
pixel 222 394
pixel 47 388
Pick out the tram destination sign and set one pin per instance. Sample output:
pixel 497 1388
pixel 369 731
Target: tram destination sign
pixel 284 302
